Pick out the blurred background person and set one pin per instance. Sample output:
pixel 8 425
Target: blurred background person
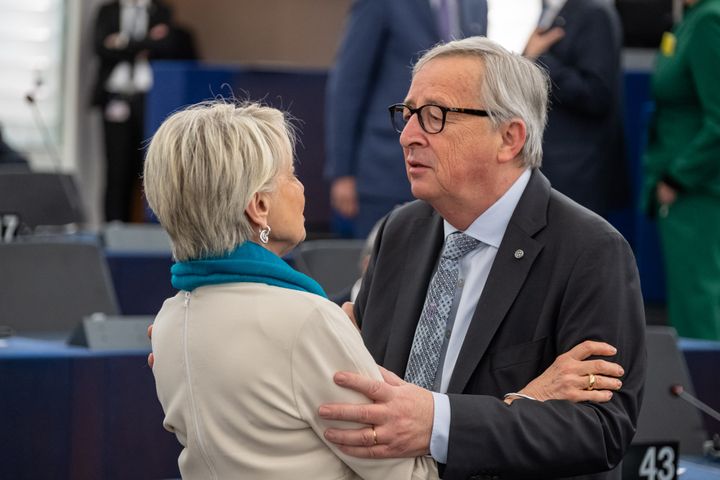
pixel 682 168
pixel 382 39
pixel 128 34
pixel 579 43
pixel 9 157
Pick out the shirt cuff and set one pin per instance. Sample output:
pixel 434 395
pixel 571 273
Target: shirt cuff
pixel 441 427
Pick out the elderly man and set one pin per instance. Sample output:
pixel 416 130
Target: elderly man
pixel 476 287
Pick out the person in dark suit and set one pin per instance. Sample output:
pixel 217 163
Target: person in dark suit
pixel 372 70
pixel 9 157
pixel 579 43
pixel 129 33
pixel 540 274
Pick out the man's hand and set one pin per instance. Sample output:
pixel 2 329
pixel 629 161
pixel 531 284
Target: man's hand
pixel 666 195
pixel 401 415
pixel 343 196
pixel 541 41
pixel 151 357
pixel 568 378
pixel 159 31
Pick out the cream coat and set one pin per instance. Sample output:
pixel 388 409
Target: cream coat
pixel 241 370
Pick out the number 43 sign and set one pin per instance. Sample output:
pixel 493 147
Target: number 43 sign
pixel 651 461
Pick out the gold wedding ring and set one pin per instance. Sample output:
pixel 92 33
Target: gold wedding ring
pixel 591 381
pixel 374 435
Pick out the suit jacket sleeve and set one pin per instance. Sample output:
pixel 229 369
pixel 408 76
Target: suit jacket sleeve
pixel 327 343
pixel 602 301
pixel 350 83
pixel 584 79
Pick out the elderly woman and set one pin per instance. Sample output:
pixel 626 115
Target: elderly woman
pixel 245 353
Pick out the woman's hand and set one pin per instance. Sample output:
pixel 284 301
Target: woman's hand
pixel 348 309
pixel 572 377
pixel 666 196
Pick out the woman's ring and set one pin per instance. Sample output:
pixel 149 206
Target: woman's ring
pixel 591 382
pixel 374 435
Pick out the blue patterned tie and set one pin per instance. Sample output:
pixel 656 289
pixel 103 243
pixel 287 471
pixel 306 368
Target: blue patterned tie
pixel 424 358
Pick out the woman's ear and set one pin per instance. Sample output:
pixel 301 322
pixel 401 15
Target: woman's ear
pixel 513 140
pixel 258 209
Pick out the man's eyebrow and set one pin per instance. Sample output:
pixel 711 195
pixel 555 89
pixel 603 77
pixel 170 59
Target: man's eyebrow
pixel 428 101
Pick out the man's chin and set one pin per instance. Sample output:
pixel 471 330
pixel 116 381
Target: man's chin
pixel 419 192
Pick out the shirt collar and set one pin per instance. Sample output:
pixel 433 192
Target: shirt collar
pixel 135 3
pixel 490 227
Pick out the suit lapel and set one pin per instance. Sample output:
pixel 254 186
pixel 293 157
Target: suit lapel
pixel 506 278
pixel 424 241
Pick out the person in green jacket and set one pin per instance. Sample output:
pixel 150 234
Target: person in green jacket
pixel 682 168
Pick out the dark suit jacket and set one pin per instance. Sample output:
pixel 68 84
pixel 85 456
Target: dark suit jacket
pixel 382 41
pixel 178 44
pixel 584 155
pixel 577 280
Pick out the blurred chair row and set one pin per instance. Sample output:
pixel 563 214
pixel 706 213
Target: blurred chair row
pixel 49 283
pixel 52 274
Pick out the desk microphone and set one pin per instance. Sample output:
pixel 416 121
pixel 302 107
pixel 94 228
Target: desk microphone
pixel 679 391
pixel 710 447
pixel 50 144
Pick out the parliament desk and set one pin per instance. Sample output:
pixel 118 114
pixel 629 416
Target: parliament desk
pixel 141 280
pixel 71 413
pixel 698 468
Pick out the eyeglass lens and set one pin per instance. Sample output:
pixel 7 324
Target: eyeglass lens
pixel 430 116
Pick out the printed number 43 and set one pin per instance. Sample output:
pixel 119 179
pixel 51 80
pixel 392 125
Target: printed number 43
pixel 658 465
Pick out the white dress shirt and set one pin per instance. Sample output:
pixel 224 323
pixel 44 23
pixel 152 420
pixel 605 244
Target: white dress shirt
pixel 489 228
pixel 510 23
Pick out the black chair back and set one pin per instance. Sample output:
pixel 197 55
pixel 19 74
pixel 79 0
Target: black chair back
pixel 51 286
pixel 663 416
pixel 333 263
pixel 40 199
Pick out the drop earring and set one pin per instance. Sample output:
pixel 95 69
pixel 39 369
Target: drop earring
pixel 265 234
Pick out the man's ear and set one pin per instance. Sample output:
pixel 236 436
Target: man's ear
pixel 513 139
pixel 258 208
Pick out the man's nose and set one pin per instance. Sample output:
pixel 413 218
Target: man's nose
pixel 412 133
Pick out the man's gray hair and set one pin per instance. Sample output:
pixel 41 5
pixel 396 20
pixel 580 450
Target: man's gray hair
pixel 513 87
pixel 203 166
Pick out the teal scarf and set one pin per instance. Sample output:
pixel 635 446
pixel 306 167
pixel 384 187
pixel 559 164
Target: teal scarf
pixel 247 263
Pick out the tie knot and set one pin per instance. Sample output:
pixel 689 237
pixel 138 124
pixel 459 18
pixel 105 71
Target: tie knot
pixel 458 244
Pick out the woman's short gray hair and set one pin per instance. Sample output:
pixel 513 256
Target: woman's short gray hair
pixel 203 166
pixel 513 87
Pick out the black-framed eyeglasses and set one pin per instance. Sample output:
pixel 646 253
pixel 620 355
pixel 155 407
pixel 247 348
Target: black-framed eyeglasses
pixel 431 117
